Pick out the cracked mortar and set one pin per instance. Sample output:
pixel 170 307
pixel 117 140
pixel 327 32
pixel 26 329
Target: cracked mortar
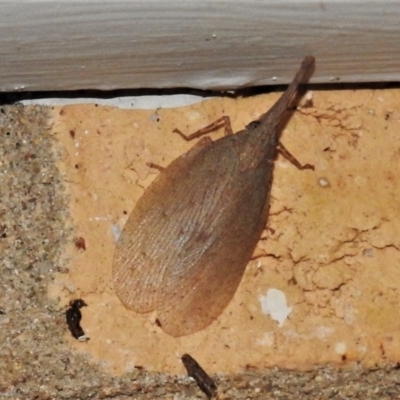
pixel 332 247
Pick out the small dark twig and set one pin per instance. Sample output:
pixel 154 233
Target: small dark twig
pixel 73 316
pixel 203 380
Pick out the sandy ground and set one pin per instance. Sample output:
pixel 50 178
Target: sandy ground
pixel 332 250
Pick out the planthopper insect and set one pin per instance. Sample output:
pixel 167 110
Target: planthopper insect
pixel 185 246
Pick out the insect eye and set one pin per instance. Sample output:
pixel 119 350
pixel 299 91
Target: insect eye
pixel 253 125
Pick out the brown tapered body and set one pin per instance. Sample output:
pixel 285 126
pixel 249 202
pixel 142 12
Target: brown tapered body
pixel 185 246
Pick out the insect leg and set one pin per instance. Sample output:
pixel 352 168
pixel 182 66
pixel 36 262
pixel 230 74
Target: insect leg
pixel 155 166
pixel 290 157
pixel 223 122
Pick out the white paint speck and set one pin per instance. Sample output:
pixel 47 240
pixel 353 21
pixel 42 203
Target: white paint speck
pixel 340 348
pixel 323 182
pixel 368 252
pixel 154 117
pixel 76 144
pixel 349 315
pixel 116 232
pixel 268 340
pixel 99 219
pixel 130 366
pixel 322 332
pixel 275 305
pixel 309 95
